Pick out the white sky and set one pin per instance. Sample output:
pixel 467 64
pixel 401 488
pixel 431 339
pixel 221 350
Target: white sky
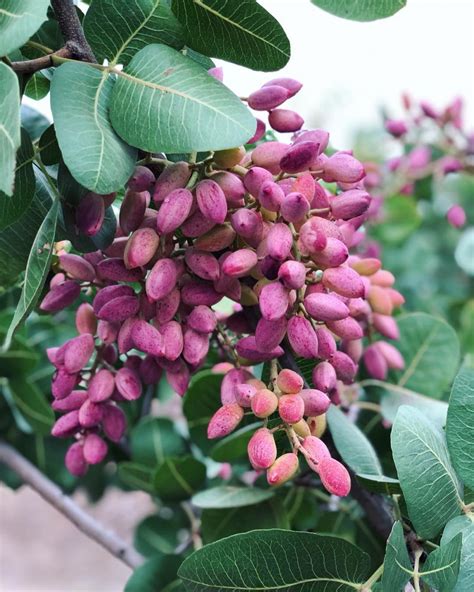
pixel 351 69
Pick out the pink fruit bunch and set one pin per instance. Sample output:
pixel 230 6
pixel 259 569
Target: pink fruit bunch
pixel 276 230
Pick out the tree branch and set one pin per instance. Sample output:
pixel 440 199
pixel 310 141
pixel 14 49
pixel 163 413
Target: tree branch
pixel 71 30
pixel 32 66
pixel 50 492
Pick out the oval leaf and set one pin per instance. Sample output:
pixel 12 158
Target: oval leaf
pixel 362 10
pixel 10 138
pixel 441 569
pixel 32 404
pixel 164 101
pixel 397 566
pixel 154 575
pixel 276 560
pixel 153 439
pixel 245 34
pixel 421 458
pixel 179 478
pixel 460 425
pixel 116 30
pixel 161 533
pixel 462 524
pixel 136 476
pixel 18 22
pixel 228 496
pixel 97 158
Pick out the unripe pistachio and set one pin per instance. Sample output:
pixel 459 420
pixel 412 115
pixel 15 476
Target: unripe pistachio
pixel 302 337
pixel 162 279
pixel 60 296
pixel 294 207
pixel 264 403
pixel 324 377
pixel 456 216
pixel 317 425
pixel 262 449
pixel 354 348
pixel 268 155
pixel 273 301
pixel 299 157
pixel 175 176
pixel 108 293
pixel 202 319
pixel 269 334
pixel 101 386
pixel 259 132
pixel 62 384
pixel 147 338
pixel 218 238
pixel 239 263
pixel 317 451
pixel 196 346
pixel 119 309
pixel 167 307
pixel 344 168
pixel 114 269
pixel 95 449
pixel 325 307
pixel 179 379
pixel 149 371
pixel 234 377
pixel 90 214
pixel 141 247
pixel 289 381
pixel 344 367
pixel 285 120
pixel 196 225
pixel 174 210
pixel 211 201
pixel 217 73
pixel 141 180
pixel 128 384
pixel 291 85
pixel 396 298
pixel 326 343
pixel 247 224
pixel 333 254
pixel 279 241
pixel 226 159
pixel 375 362
pixel 254 179
pixel 382 278
pixel 282 469
pixel 224 421
pixel 292 274
pixel 347 328
pixel 114 422
pixel 132 210
pixel 396 127
pixel 231 185
pixel 268 97
pixel 247 349
pixel 78 352
pixel 291 408
pixel 391 354
pixel 380 301
pixel 302 428
pixel 202 264
pixel 195 293
pixel 90 414
pixel 66 425
pixel 315 402
pixel 244 394
pixel 386 325
pixel 75 461
pixel 73 401
pixel 86 321
pixel 343 280
pixel 334 476
pixel 77 267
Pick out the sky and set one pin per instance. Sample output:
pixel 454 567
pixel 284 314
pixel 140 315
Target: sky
pixel 350 69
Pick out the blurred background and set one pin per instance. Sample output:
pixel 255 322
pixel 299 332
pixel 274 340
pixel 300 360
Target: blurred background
pixel 351 73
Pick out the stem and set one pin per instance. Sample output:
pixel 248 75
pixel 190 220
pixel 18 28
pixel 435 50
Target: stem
pixel 367 586
pixel 416 570
pixel 71 29
pixel 51 493
pixel 32 66
pixel 195 525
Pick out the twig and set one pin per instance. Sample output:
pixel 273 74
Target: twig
pixel 71 29
pixel 50 492
pixel 32 66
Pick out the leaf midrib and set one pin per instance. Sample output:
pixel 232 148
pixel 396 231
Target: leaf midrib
pixel 238 26
pixel 354 585
pixel 416 359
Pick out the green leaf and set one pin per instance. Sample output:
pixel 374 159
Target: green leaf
pixel 161 533
pixel 32 404
pixel 352 444
pixel 245 34
pixel 421 458
pixel 397 568
pixel 154 575
pixel 10 138
pixel 217 524
pixel 136 476
pixel 153 439
pixel 18 360
pixel 17 238
pixel 234 446
pixel 18 22
pixel 362 10
pixel 12 207
pixel 37 270
pixel 441 569
pixel 33 121
pixel 37 86
pixel 178 478
pixel 96 157
pixel 164 101
pixel 460 425
pixel 430 348
pixel 276 560
pixel 380 483
pixel 229 496
pixel 117 30
pixel 48 147
pixel 400 219
pixel 462 524
pixel 200 403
